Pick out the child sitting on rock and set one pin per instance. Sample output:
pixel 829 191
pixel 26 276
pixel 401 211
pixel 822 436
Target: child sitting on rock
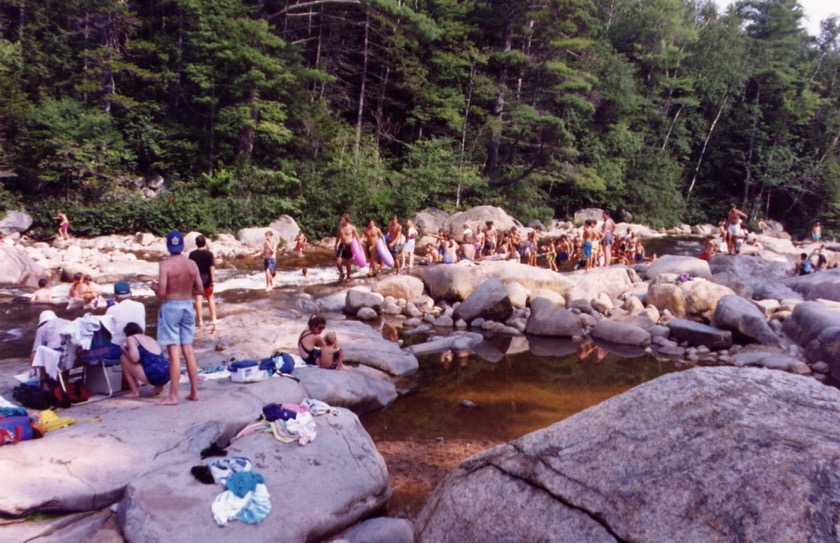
pixel 331 353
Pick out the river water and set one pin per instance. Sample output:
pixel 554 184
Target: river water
pixel 516 386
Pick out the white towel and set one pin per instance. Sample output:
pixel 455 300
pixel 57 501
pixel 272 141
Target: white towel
pixel 48 359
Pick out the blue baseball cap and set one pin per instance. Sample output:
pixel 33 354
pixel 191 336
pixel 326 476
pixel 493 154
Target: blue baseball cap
pixel 122 289
pixel 175 242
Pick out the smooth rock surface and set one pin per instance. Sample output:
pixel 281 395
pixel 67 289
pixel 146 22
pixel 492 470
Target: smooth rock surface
pixel 744 319
pixel 17 268
pixel 351 389
pixel 549 320
pixel 696 333
pixel 489 300
pixel 406 287
pixel 457 281
pixel 695 456
pixel 694 267
pixel 621 333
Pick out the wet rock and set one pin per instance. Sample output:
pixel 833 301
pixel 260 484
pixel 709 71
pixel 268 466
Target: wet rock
pixel 744 319
pixel 489 300
pixel 456 341
pixel 367 314
pixel 671 350
pixel 444 322
pixel 468 403
pixel 820 367
pixel 620 333
pixel 773 361
pixel 659 330
pixel 16 267
pixel 411 323
pixel 410 310
pixel 696 333
pixel 714 454
pixel 817 328
pixel 587 321
pixel 549 320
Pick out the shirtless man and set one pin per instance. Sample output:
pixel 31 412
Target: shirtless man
pixel 371 234
pixel 589 235
pixel 179 283
pixel 395 241
pixel 344 236
pixel 42 295
pixel 733 227
pixel 467 249
pixel 608 229
pixel 490 236
pixel 269 254
pixel 63 225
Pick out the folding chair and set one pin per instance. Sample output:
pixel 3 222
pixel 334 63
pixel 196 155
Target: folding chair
pixel 102 374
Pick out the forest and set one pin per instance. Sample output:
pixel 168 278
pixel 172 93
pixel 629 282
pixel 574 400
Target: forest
pixel 212 115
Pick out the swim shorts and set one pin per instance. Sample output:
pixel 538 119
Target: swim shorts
pixel 396 249
pixel 489 246
pixel 587 249
pixel 563 256
pixel 608 239
pixel 270 264
pixel 343 251
pixel 176 322
pixel 734 230
pixel 208 292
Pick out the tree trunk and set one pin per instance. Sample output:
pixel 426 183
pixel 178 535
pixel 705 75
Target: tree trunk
pixel 361 108
pixel 705 145
pixel 501 87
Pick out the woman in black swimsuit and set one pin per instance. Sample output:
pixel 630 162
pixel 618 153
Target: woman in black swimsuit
pixel 310 341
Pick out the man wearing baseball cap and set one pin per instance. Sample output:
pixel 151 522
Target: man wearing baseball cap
pixel 179 282
pixel 124 311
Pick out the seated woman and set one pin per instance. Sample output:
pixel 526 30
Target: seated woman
pixel 331 353
pixel 142 361
pixel 310 341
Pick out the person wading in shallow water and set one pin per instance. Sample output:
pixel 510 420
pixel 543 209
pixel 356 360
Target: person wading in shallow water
pixel 344 236
pixel 179 282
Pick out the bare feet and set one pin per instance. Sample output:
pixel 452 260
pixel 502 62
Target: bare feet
pixel 169 400
pixel 157 391
pixel 193 397
pixel 131 395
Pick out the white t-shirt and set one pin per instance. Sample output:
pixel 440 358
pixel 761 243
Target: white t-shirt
pixel 123 313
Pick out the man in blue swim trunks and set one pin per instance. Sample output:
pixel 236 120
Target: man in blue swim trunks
pixel 179 282
pixel 589 235
pixel 269 254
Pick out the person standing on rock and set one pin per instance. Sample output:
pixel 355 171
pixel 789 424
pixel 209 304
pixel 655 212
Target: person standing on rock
pixel 396 240
pixel 410 244
pixel 608 229
pixel 206 263
pixel 63 225
pixel 490 236
pixel 179 283
pixel 269 254
pixel 733 227
pixel 372 233
pixel 344 236
pixel 816 232
pixel 589 236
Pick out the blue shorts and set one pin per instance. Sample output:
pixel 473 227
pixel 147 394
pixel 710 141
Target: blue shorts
pixel 176 322
pixel 270 264
pixel 587 249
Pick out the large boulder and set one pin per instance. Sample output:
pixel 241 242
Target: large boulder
pixel 589 214
pixel 476 218
pixel 357 299
pixel 255 237
pixel 817 328
pixel 18 268
pixel 620 333
pixel 456 282
pixel 429 220
pixel 820 285
pixel 547 319
pixel 490 300
pixel 15 222
pixel 286 229
pixel 351 389
pixel 678 265
pixel 701 297
pixel 667 296
pixel 340 477
pixel 696 334
pixel 406 287
pixel 612 281
pixel 681 458
pixel 744 319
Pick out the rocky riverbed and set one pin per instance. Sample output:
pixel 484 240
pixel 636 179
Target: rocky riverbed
pixel 131 468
